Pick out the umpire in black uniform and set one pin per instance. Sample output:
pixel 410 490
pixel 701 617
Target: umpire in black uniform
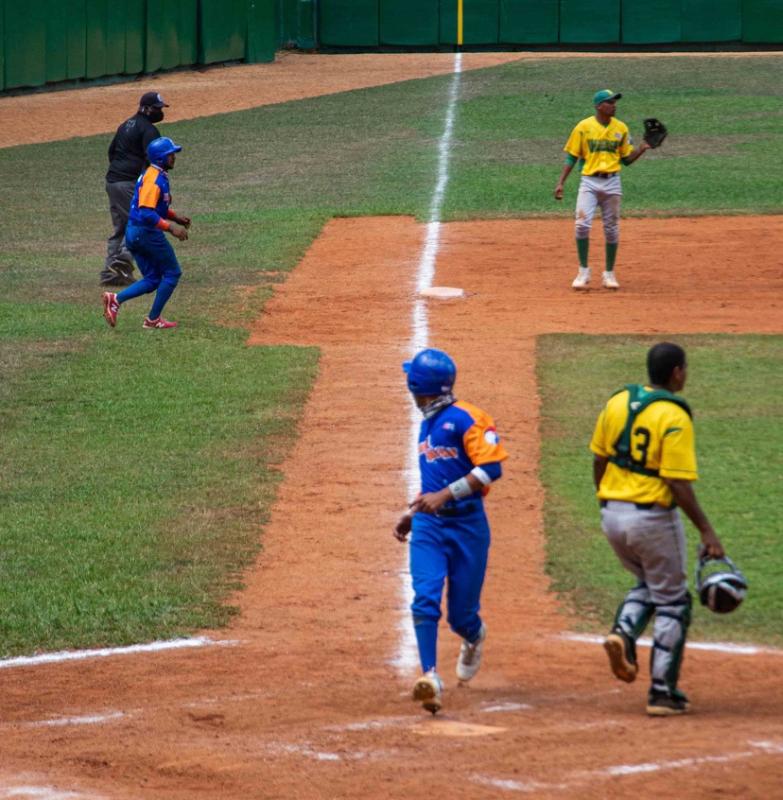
pixel 127 160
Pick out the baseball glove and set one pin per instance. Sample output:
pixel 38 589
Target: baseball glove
pixel 654 132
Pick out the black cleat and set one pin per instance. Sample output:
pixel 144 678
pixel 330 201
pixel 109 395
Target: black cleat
pixel 667 704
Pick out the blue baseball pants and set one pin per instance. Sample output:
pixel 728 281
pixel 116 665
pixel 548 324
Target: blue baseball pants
pixel 441 549
pixel 157 263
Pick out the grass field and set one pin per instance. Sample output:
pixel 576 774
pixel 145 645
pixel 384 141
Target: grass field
pixel 101 429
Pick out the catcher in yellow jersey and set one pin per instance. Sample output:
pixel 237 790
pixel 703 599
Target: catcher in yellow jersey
pixel 644 465
pixel 600 145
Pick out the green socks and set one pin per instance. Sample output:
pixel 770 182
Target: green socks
pixel 582 248
pixel 611 255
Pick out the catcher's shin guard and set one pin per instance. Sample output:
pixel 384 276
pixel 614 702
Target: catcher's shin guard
pixel 669 633
pixel 635 611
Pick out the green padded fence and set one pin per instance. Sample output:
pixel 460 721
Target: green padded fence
pixel 2 46
pixel 762 21
pixel 135 36
pixel 57 42
pixel 589 22
pixel 529 21
pixel 711 20
pixel 222 30
pixel 410 23
pixel 349 23
pixel 651 23
pixel 25 39
pixel 46 41
pixel 262 31
pixel 75 40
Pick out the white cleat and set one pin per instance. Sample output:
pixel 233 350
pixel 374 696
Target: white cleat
pixel 610 281
pixel 582 278
pixel 428 690
pixel 469 659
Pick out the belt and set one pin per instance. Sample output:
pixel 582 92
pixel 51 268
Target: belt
pixel 458 511
pixel 602 175
pixel 640 506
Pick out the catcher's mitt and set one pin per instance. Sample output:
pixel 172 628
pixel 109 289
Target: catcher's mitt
pixel 654 132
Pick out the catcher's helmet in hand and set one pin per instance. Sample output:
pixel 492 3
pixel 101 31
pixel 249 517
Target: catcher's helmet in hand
pixel 720 584
pixel 431 373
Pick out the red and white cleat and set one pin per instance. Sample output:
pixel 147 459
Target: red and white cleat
pixel 110 308
pixel 154 324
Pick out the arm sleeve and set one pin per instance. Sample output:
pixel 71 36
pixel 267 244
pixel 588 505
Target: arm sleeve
pixel 597 443
pixel 493 470
pixel 574 144
pixel 482 444
pixel 678 448
pixel 626 145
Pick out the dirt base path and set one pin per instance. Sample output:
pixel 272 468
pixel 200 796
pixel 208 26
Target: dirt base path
pixel 310 700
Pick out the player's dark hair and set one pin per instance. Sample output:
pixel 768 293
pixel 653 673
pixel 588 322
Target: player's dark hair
pixel 662 358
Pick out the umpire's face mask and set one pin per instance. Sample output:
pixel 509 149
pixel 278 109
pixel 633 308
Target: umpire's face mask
pixel 153 113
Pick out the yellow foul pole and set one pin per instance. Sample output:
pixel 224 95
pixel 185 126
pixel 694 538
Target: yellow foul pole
pixel 459 22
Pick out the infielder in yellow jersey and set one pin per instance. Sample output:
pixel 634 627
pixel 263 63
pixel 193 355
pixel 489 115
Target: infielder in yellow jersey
pixel 600 145
pixel 644 465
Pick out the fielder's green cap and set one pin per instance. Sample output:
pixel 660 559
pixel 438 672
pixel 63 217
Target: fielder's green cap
pixel 604 95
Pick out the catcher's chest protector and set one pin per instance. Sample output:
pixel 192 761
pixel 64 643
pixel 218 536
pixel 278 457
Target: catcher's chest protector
pixel 639 399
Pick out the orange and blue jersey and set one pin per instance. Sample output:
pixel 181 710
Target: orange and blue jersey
pixel 453 442
pixel 151 200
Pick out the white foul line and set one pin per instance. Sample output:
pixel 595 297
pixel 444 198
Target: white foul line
pixel 407 657
pixel 106 652
pixel 720 647
pixel 759 748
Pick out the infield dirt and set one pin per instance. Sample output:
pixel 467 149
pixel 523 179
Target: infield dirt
pixel 307 702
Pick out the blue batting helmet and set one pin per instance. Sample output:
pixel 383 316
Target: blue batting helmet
pixel 158 150
pixel 431 373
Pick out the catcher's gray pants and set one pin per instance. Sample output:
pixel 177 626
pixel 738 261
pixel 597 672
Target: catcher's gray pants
pixel 117 254
pixel 650 543
pixel 605 193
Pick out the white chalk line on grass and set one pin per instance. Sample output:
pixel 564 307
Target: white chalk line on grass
pixel 108 652
pixel 575 779
pixel 720 647
pixel 406 659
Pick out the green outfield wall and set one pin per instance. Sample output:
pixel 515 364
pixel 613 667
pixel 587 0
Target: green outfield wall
pixel 516 23
pixel 48 41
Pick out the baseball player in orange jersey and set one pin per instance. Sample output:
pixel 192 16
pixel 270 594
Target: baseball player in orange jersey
pixel 643 467
pixel 600 145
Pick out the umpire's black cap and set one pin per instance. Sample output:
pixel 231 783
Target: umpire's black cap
pixel 153 99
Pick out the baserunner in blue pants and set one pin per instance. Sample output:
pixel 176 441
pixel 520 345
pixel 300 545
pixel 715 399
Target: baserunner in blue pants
pixel 459 456
pixel 151 215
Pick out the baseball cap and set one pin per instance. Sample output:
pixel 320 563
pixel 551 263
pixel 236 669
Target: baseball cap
pixel 604 95
pixel 153 99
